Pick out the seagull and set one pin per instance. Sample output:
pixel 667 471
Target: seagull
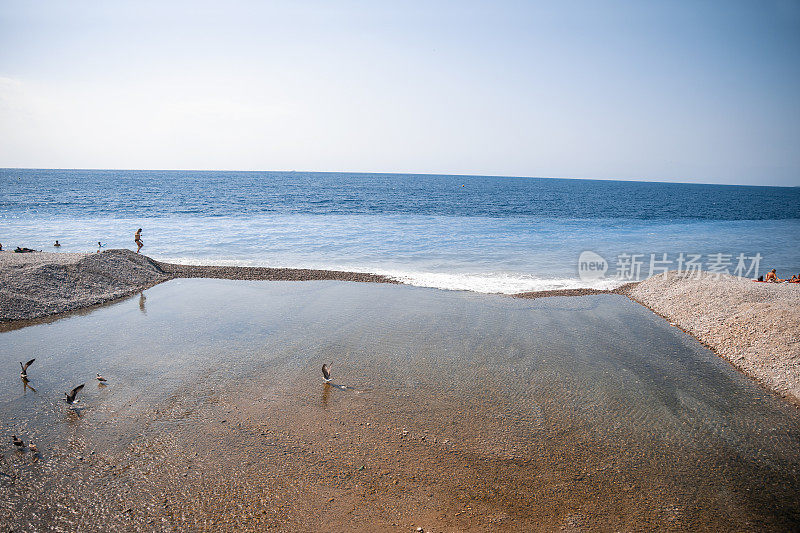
pixel 70 396
pixel 24 373
pixel 101 378
pixel 326 373
pixel 17 442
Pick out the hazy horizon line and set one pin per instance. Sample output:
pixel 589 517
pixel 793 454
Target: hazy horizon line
pixel 640 180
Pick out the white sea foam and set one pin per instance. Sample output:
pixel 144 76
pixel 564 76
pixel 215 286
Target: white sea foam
pixel 494 283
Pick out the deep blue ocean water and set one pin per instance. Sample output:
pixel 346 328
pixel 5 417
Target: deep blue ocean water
pixel 488 234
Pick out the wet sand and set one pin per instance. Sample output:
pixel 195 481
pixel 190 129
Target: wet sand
pixel 448 411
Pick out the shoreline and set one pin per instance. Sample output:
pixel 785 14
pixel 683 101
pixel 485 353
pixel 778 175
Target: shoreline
pixel 128 273
pixel 39 285
pixel 728 315
pixel 752 326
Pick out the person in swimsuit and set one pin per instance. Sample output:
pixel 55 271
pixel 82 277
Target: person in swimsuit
pixel 772 277
pixel 137 238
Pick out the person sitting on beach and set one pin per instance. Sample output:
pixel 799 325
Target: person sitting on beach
pixel 795 279
pixel 99 246
pixel 56 244
pixel 772 277
pixel 137 238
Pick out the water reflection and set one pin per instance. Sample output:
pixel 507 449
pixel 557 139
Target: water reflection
pixel 74 414
pixel 142 300
pixel 26 385
pixel 326 393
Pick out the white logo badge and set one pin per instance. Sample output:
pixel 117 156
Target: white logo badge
pixel 591 266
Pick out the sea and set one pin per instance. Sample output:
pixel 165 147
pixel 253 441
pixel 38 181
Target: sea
pixel 487 234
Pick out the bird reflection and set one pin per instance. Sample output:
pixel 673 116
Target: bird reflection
pixel 326 392
pixel 326 388
pixel 74 414
pixel 25 386
pixel 142 300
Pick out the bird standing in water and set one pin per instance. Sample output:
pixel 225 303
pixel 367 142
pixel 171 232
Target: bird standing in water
pixel 101 379
pixel 70 396
pixel 24 373
pixel 326 373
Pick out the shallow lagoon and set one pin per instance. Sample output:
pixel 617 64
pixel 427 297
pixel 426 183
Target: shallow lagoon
pixel 447 410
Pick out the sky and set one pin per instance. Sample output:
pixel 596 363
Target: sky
pixel 686 91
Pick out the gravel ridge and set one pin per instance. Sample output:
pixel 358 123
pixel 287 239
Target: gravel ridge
pixel 41 284
pixel 572 292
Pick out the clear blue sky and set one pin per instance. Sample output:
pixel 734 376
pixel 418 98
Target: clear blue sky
pixel 674 91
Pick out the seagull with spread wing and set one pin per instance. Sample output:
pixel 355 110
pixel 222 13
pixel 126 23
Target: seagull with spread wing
pixel 24 373
pixel 70 396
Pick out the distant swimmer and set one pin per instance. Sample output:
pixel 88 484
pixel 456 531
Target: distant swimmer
pixel 137 238
pixel 57 245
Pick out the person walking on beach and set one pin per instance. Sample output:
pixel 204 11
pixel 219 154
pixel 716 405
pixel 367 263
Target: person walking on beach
pixel 137 238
